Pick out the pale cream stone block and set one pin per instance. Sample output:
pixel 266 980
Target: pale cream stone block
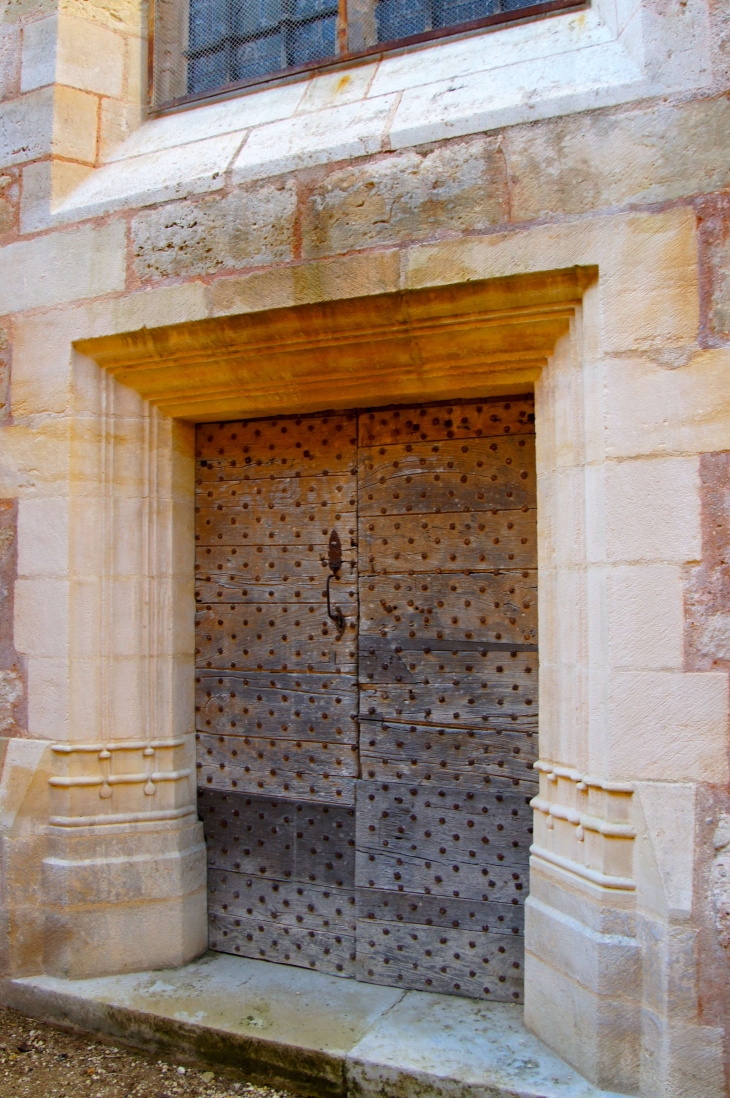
pixel 645 610
pixel 339 133
pixel 460 57
pixel 43 537
pixel 38 64
pixel 10 53
pixel 330 89
pixel 117 121
pixel 45 184
pixel 666 726
pixel 62 266
pixel 155 177
pixel 669 813
pixel 90 57
pixel 48 699
pixel 521 92
pixel 33 460
pixel 75 124
pixel 26 127
pixel 647 270
pixel 653 510
pixel 128 616
pixel 653 409
pixel 41 617
pixel 145 309
pixel 130 704
pixel 237 115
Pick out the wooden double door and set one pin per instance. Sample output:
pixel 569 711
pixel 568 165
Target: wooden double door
pixel 365 772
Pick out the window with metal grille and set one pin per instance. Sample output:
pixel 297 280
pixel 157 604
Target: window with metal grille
pixel 203 47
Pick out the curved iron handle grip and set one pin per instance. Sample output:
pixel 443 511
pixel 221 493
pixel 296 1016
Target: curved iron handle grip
pixel 334 559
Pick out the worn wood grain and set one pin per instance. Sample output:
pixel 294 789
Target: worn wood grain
pixel 232 527
pixel 266 756
pixel 307 444
pixel 253 496
pixel 461 419
pixel 266 566
pixel 268 941
pixel 327 788
pixel 327 710
pixel 445 911
pixel 447 543
pixel 287 903
pixel 279 637
pixel 482 605
pixel 451 702
pixel 430 477
pixel 453 962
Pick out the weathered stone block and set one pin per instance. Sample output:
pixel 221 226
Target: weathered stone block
pixel 9 62
pixel 707 592
pixel 247 228
pixel 597 160
pixel 9 194
pixel 714 237
pixel 408 196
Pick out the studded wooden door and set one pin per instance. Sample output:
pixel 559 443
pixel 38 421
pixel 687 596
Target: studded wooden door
pixel 401 856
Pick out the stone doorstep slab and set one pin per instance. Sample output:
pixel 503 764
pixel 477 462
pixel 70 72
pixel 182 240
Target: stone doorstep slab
pixel 312 1033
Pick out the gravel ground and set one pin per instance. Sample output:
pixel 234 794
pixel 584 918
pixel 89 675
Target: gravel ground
pixel 38 1061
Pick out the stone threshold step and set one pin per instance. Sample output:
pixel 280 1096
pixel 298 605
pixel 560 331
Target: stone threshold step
pixel 309 1032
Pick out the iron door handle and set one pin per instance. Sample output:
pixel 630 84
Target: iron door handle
pixel 334 561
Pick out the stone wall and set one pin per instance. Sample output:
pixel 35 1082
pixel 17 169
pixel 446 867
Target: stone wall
pixel 596 140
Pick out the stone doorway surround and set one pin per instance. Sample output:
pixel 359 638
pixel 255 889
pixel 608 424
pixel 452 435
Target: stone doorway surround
pixel 114 881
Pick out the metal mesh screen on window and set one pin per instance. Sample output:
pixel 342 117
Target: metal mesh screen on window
pixel 204 46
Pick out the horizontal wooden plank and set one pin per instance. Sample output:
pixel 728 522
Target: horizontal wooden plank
pixel 438 877
pixel 454 605
pixel 449 543
pixel 483 831
pixel 285 903
pixel 278 637
pixel 290 945
pixel 461 419
pixel 463 701
pixel 265 757
pixel 284 783
pixel 274 528
pixel 309 445
pixel 329 713
pixel 446 911
pixel 277 838
pixel 477 965
pixel 409 753
pixel 384 660
pixel 268 565
pixel 292 492
pixel 425 477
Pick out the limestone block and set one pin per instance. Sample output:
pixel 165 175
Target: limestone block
pixel 75 124
pixel 645 615
pixel 330 89
pixel 114 14
pixel 41 617
pixel 339 133
pixel 667 726
pixel 707 621
pixel 45 184
pixel 90 57
pixel 38 65
pixel 43 537
pixel 247 228
pixel 668 810
pixel 508 46
pixel 653 409
pixel 647 282
pixel 653 510
pixel 9 61
pixel 604 964
pixel 208 120
pixel 26 127
pixel 715 242
pixel 62 266
pixel 680 1060
pixel 155 177
pixel 9 195
pixel 520 92
pixel 454 188
pixel 48 699
pixel 596 160
pixel 599 1036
